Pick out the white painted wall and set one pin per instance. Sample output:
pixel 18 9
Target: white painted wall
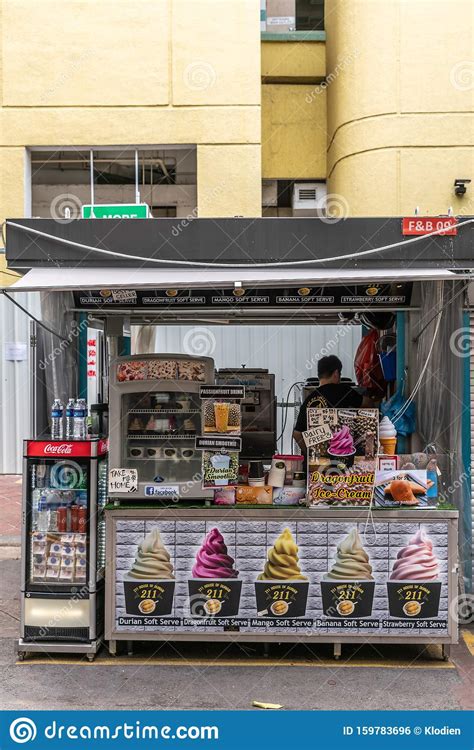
pixel 14 381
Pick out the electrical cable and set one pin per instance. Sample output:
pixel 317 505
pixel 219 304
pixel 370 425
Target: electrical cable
pixel 30 315
pixel 199 264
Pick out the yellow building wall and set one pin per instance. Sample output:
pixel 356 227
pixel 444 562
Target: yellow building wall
pixel 293 61
pixel 155 72
pixel 293 131
pixel 400 101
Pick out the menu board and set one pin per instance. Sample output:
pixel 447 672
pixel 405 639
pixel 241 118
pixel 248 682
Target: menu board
pixel 293 576
pixel 373 295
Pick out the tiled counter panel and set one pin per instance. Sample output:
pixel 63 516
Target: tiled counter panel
pixel 249 534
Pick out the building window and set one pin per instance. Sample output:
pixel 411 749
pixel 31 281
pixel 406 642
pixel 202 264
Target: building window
pixel 309 15
pixel 63 180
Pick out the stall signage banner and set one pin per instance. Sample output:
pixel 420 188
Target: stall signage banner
pixel 372 294
pixel 419 225
pixel 215 443
pixel 116 211
pixel 123 480
pixel 344 579
pixel 222 391
pixel 342 456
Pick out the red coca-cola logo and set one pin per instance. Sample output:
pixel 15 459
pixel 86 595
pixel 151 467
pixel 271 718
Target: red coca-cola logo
pixel 63 449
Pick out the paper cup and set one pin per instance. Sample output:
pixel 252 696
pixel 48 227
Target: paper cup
pixel 148 598
pixel 347 599
pixel 281 598
pixel 219 597
pixel 413 600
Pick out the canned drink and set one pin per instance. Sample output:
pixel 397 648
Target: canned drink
pixel 62 518
pixel 74 518
pixel 82 520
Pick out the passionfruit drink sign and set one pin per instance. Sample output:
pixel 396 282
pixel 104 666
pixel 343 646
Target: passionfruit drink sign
pixel 342 449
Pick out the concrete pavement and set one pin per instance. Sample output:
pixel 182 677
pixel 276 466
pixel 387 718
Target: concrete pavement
pixel 10 509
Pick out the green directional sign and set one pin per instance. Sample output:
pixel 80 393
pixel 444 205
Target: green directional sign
pixel 121 211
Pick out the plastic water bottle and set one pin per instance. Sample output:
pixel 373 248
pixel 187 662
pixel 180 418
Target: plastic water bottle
pixel 42 517
pixel 70 419
pixel 57 411
pixel 80 419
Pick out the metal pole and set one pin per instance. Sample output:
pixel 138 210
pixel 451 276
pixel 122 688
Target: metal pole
pixel 137 191
pixel 33 383
pixel 91 162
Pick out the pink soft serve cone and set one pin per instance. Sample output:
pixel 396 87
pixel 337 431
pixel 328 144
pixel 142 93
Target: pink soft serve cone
pixel 212 560
pixel 416 561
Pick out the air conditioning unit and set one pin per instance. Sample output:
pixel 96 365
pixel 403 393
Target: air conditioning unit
pixel 309 199
pixel 269 193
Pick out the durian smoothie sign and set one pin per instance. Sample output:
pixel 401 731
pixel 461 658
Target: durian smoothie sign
pixel 342 454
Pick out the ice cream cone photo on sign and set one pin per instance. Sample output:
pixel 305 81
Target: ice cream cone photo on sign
pixel 388 436
pixel 214 589
pixel 282 589
pixel 149 584
pixel 414 588
pixel 348 586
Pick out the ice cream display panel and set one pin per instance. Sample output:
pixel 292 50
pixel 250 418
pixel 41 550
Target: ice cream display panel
pixel 283 574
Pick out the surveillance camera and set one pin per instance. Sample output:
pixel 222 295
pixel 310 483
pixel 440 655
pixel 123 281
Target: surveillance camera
pixel 460 186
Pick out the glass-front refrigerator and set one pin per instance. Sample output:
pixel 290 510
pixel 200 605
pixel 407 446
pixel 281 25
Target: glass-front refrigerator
pixel 63 545
pixel 155 416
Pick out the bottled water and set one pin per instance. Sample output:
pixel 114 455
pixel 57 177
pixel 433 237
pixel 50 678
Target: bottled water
pixel 80 430
pixel 70 419
pixel 57 411
pixel 42 516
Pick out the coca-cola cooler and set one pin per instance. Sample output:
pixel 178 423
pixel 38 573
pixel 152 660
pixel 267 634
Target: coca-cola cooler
pixel 63 545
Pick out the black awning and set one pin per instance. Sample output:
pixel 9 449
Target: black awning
pixel 321 243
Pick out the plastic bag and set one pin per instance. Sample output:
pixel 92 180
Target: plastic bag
pixel 367 367
pixel 406 423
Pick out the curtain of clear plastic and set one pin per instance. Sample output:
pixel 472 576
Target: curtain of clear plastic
pixel 440 397
pixel 57 369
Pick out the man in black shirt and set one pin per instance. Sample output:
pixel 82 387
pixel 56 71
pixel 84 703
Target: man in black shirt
pixel 330 394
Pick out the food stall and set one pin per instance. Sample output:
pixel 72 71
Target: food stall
pixel 209 540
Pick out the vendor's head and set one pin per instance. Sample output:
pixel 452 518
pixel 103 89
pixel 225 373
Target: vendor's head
pixel 329 369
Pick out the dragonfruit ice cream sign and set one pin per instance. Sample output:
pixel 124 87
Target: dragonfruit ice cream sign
pixel 342 448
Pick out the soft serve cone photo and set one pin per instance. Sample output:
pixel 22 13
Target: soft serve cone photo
pixel 348 587
pixel 214 589
pixel 282 589
pixel 149 584
pixel 414 589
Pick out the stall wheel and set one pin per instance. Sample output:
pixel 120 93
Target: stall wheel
pixel 91 657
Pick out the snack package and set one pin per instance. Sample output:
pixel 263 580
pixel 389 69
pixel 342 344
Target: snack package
pixel 253 495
